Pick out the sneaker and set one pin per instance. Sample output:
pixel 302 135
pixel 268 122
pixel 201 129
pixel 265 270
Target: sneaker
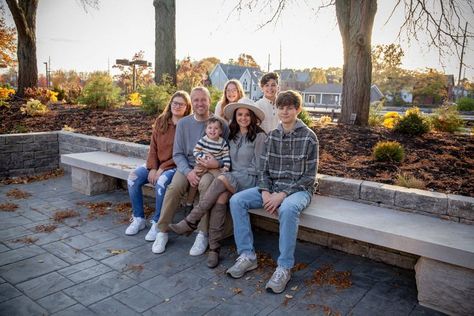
pixel 159 245
pixel 200 245
pixel 151 235
pixel 243 264
pixel 279 280
pixel 136 225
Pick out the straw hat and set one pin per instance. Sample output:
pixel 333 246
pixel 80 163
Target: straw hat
pixel 245 103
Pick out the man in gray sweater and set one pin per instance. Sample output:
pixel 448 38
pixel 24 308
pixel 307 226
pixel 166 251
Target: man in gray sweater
pixel 188 131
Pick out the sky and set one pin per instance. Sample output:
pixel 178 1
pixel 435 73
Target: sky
pixel 86 41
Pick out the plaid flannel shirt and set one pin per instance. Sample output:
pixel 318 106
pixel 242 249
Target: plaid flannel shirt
pixel 290 161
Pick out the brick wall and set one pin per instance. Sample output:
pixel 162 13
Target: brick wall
pixel 26 154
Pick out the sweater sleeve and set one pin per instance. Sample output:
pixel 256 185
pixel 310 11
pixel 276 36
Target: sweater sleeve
pixel 226 155
pixel 179 151
pixel 152 161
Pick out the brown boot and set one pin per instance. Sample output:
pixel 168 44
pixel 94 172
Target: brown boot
pixel 183 228
pixel 213 258
pixel 207 201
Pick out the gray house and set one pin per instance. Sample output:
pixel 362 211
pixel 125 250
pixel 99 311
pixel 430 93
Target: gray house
pixel 329 95
pixel 248 76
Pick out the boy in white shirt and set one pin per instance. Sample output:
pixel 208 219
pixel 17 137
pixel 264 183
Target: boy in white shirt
pixel 269 83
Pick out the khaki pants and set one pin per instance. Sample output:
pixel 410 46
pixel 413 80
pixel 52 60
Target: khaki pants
pixel 174 193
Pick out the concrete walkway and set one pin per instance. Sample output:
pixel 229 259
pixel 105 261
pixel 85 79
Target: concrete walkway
pixel 87 266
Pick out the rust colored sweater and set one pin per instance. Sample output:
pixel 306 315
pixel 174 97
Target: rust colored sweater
pixel 161 148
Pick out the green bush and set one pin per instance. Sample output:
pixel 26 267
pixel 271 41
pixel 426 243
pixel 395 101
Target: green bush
pixel 465 104
pixel 100 92
pixel 375 116
pixel 412 123
pixel 156 97
pixel 388 151
pixel 216 96
pixel 306 118
pixel 446 119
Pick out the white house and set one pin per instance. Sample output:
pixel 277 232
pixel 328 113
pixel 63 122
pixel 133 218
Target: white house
pixel 248 76
pixel 329 95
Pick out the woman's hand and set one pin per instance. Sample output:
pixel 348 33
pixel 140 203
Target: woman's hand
pixel 153 175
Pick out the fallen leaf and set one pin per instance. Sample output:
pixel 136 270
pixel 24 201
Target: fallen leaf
pixel 18 194
pixel 116 251
pixel 237 290
pixel 294 288
pixel 8 207
pixel 60 216
pixel 45 228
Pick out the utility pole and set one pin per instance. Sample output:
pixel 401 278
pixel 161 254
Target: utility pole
pixel 280 57
pixel 268 66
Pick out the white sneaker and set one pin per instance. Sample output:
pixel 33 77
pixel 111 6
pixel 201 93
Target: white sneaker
pixel 159 245
pixel 136 225
pixel 200 245
pixel 151 235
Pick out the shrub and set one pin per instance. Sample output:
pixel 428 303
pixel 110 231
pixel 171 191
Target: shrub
pixel 156 97
pixel 409 181
pixel 5 94
pixel 216 95
pixel 135 99
pixel 61 93
pixel 446 119
pixel 325 119
pixel 390 119
pixel 412 123
pixel 375 116
pixel 100 92
pixel 305 117
pixel 388 151
pixel 40 94
pixel 465 104
pixel 34 108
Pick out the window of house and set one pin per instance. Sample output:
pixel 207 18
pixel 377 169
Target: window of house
pixel 244 84
pixel 311 98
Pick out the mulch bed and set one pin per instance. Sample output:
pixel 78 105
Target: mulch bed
pixel 444 162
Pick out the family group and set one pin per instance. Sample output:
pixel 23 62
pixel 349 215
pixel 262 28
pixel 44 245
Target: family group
pixel 245 155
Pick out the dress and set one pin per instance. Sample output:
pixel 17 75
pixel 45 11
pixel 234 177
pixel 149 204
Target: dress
pixel 245 157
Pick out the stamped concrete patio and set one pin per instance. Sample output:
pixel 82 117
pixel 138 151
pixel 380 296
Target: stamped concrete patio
pixel 87 266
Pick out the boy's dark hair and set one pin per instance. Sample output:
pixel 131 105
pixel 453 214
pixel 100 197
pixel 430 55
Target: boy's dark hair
pixel 289 97
pixel 214 120
pixel 268 76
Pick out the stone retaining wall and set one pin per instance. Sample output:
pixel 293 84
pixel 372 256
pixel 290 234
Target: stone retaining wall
pixel 35 152
pixel 27 154
pixel 457 208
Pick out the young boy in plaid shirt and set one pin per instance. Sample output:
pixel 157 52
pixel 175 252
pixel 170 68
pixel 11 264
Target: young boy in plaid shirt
pixel 286 184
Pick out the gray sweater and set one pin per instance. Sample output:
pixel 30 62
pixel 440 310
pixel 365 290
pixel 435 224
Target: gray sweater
pixel 188 132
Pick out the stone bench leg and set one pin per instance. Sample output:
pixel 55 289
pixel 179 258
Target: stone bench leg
pixel 91 183
pixel 445 287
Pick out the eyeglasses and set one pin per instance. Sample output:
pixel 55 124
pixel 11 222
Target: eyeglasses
pixel 177 104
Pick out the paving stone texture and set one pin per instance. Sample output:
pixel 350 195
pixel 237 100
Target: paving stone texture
pixel 74 271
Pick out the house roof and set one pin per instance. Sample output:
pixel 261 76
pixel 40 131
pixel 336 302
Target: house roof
pixel 236 72
pixel 324 88
pixel 294 75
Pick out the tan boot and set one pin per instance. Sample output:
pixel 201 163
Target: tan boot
pixel 183 228
pixel 213 258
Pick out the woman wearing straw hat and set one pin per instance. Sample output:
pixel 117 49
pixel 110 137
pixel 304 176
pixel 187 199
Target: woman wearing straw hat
pixel 246 142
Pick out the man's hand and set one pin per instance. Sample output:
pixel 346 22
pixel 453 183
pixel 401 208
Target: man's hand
pixel 153 175
pixel 193 178
pixel 272 201
pixel 208 162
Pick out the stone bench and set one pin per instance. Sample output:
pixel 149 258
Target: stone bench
pixel 445 267
pixel 97 172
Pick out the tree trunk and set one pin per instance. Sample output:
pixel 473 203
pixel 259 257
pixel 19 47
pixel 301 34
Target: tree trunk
pixel 24 15
pixel 165 40
pixel 356 19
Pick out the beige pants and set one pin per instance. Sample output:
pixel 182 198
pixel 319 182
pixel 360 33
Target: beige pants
pixel 175 192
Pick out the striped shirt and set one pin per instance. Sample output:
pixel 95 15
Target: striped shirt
pixel 218 149
pixel 290 160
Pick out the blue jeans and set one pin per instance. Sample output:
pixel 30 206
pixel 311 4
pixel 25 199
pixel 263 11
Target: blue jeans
pixel 288 216
pixel 137 179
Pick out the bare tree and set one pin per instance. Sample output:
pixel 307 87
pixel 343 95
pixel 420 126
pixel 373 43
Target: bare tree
pixel 442 20
pixel 24 15
pixel 165 40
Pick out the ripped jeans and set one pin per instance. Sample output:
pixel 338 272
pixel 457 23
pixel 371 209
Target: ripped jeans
pixel 137 179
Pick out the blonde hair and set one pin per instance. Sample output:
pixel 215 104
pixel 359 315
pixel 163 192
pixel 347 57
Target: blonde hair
pixel 165 117
pixel 224 101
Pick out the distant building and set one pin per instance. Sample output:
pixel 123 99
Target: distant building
pixel 248 76
pixel 294 79
pixel 329 95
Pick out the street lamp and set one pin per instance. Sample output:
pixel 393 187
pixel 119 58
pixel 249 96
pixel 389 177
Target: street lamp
pixel 133 64
pixel 47 79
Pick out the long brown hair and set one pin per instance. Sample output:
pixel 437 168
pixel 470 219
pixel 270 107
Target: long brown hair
pixel 253 128
pixel 165 117
pixel 224 101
